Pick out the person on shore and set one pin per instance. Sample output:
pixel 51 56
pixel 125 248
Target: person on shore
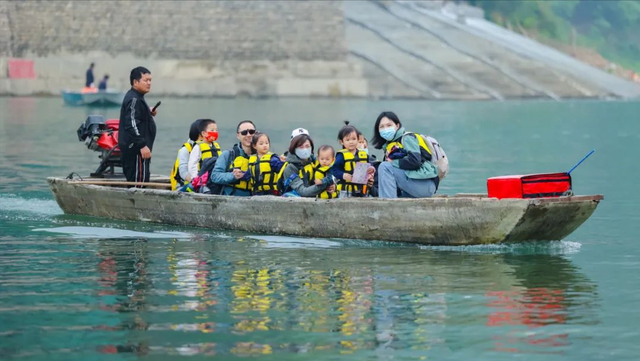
pixel 137 127
pixel 180 172
pixel 300 161
pixel 264 166
pixel 89 79
pixel 406 166
pixel 322 169
pixel 345 162
pixel 102 86
pixel 231 171
pixel 206 146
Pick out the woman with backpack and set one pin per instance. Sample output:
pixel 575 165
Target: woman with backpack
pixel 407 170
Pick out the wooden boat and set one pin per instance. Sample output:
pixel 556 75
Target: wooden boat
pixel 102 98
pixel 463 219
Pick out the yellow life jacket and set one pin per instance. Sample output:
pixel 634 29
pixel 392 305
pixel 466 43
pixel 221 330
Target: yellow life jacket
pixel 398 144
pixel 207 151
pixel 242 163
pixel 350 161
pixel 264 179
pixel 320 172
pixel 176 179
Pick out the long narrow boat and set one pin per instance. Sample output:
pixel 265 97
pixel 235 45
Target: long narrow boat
pixel 102 98
pixel 441 220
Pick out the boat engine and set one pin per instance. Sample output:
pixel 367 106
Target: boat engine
pixel 102 137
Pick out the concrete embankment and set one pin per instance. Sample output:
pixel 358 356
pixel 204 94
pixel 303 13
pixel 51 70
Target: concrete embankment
pixel 389 49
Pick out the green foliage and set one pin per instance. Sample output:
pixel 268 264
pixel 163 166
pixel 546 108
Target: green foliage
pixel 611 27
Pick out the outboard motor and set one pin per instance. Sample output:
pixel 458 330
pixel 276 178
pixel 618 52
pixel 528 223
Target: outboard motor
pixel 102 137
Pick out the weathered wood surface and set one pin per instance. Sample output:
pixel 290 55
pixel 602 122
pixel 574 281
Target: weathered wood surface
pixel 454 220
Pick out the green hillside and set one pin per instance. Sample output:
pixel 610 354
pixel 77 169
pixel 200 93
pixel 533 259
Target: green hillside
pixel 612 27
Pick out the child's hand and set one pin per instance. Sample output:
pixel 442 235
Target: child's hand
pixel 371 170
pixel 238 174
pixel 331 188
pixel 318 182
pixel 348 177
pixel 370 180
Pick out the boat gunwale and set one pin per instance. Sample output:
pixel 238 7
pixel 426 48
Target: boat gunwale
pixel 444 197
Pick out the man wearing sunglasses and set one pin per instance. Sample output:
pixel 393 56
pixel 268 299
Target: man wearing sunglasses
pixel 231 169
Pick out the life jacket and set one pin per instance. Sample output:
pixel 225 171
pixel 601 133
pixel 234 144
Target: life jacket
pixel 305 173
pixel 242 163
pixel 316 171
pixel 176 179
pixel 350 161
pixel 207 150
pixel 264 179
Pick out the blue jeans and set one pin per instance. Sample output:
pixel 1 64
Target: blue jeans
pixel 390 179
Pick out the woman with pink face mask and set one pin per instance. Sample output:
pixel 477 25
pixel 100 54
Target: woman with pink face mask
pixel 205 146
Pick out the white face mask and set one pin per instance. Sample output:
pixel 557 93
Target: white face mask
pixel 303 153
pixel 366 150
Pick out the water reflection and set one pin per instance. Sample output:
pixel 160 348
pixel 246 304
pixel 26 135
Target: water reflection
pixel 203 297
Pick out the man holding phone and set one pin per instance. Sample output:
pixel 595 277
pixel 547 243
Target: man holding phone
pixel 137 127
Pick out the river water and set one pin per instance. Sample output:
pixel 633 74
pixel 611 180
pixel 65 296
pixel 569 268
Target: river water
pixel 81 288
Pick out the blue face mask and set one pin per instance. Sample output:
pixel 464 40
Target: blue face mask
pixel 303 153
pixel 388 133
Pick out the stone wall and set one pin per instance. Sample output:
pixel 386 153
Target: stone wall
pixel 210 48
pixel 211 30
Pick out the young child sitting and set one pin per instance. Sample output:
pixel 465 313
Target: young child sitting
pixel 321 168
pixel 206 146
pixel 264 167
pixel 180 172
pixel 345 162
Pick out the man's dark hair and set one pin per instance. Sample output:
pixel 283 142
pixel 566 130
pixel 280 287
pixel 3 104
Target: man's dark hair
pixel 136 73
pixel 245 121
pixel 204 123
pixel 377 140
pixel 298 141
pixel 92 65
pixel 106 76
pixel 194 131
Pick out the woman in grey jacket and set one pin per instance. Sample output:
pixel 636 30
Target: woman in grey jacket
pixel 301 156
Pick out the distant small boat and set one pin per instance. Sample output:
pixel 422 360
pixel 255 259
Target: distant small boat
pixel 99 98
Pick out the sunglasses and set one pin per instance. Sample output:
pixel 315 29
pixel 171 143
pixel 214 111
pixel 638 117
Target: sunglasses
pixel 248 131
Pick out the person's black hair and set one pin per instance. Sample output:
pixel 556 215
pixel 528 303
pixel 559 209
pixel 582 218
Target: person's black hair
pixel 194 130
pixel 136 73
pixel 92 65
pixel 242 122
pixel 346 130
pixel 106 76
pixel 377 141
pixel 204 123
pixel 325 147
pixel 298 141
pixel 256 138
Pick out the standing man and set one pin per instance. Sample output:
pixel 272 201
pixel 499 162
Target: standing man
pixel 88 82
pixel 137 128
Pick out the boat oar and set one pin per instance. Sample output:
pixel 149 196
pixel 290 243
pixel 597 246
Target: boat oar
pixel 580 162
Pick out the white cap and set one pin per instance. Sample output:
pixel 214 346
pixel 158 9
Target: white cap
pixel 299 131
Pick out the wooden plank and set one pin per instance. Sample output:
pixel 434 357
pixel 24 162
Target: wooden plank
pixel 123 184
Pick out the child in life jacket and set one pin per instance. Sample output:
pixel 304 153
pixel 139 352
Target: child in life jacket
pixel 345 162
pixel 264 167
pixel 206 146
pixel 363 145
pixel 322 168
pixel 180 172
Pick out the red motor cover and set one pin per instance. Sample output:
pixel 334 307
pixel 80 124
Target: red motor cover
pixel 529 186
pixel 108 141
pixel 113 124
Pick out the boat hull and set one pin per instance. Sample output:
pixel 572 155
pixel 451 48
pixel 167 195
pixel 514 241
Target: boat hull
pixel 104 98
pixel 456 220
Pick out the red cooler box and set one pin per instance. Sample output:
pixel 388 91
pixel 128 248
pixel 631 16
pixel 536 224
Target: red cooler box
pixel 529 186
